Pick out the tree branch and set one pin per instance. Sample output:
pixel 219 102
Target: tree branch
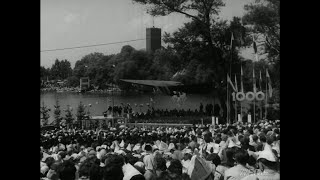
pixel 270 45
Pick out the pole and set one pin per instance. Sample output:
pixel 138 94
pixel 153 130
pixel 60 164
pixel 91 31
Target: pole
pixel 230 76
pixel 112 103
pixel 266 100
pixel 227 101
pixel 241 90
pixel 235 110
pixel 254 101
pixel 261 104
pixel 254 111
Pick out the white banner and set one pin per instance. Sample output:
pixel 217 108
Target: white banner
pixel 213 120
pixel 249 118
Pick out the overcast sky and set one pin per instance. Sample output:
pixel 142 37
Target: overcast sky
pixel 70 23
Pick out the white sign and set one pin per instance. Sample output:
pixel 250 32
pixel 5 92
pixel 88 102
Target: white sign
pixel 249 118
pixel 217 122
pixel 213 120
pixel 239 118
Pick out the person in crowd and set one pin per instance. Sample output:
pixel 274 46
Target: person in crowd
pixel 53 173
pixel 240 170
pixel 68 170
pixel 175 168
pixel 254 141
pixel 113 167
pixel 148 161
pixel 268 165
pixel 160 166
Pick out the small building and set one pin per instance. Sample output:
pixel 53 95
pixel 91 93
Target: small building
pixel 84 83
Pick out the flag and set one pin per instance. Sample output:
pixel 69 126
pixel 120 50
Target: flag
pixel 236 84
pixel 255 48
pixel 231 40
pixel 254 82
pixel 260 82
pixel 269 83
pixel 231 84
pixel 241 79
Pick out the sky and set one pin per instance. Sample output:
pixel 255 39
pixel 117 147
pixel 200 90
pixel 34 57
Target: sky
pixel 72 23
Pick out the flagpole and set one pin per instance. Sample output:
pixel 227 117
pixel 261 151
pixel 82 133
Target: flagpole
pixel 266 100
pixel 254 103
pixel 235 110
pixel 241 89
pixel 230 74
pixel 254 79
pixel 227 100
pixel 261 104
pixel 235 102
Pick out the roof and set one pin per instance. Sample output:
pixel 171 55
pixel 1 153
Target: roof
pixel 98 117
pixel 156 83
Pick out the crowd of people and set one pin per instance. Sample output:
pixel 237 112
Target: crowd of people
pixel 151 112
pixel 237 151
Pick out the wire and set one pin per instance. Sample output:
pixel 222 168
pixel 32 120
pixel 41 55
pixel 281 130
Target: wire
pixel 91 45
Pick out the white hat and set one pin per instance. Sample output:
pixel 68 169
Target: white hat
pixel 121 144
pixel 136 147
pixel 268 155
pixel 187 151
pixel 120 152
pixel 143 146
pixel 171 146
pixel 139 164
pixel 216 148
pixel 97 148
pixel 44 169
pixel 129 171
pixel 155 147
pixel 163 146
pixel 232 144
pixel 137 155
pixel 158 143
pixel 129 147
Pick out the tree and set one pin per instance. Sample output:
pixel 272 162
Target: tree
pixel 44 114
pixel 165 64
pixel 61 69
pixel 263 19
pixel 57 113
pixel 69 116
pixel 263 16
pixel 73 81
pixel 81 112
pixel 203 43
pixel 44 73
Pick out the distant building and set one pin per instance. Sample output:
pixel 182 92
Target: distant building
pixel 153 36
pixel 84 83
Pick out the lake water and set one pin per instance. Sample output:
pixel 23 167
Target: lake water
pixel 100 102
